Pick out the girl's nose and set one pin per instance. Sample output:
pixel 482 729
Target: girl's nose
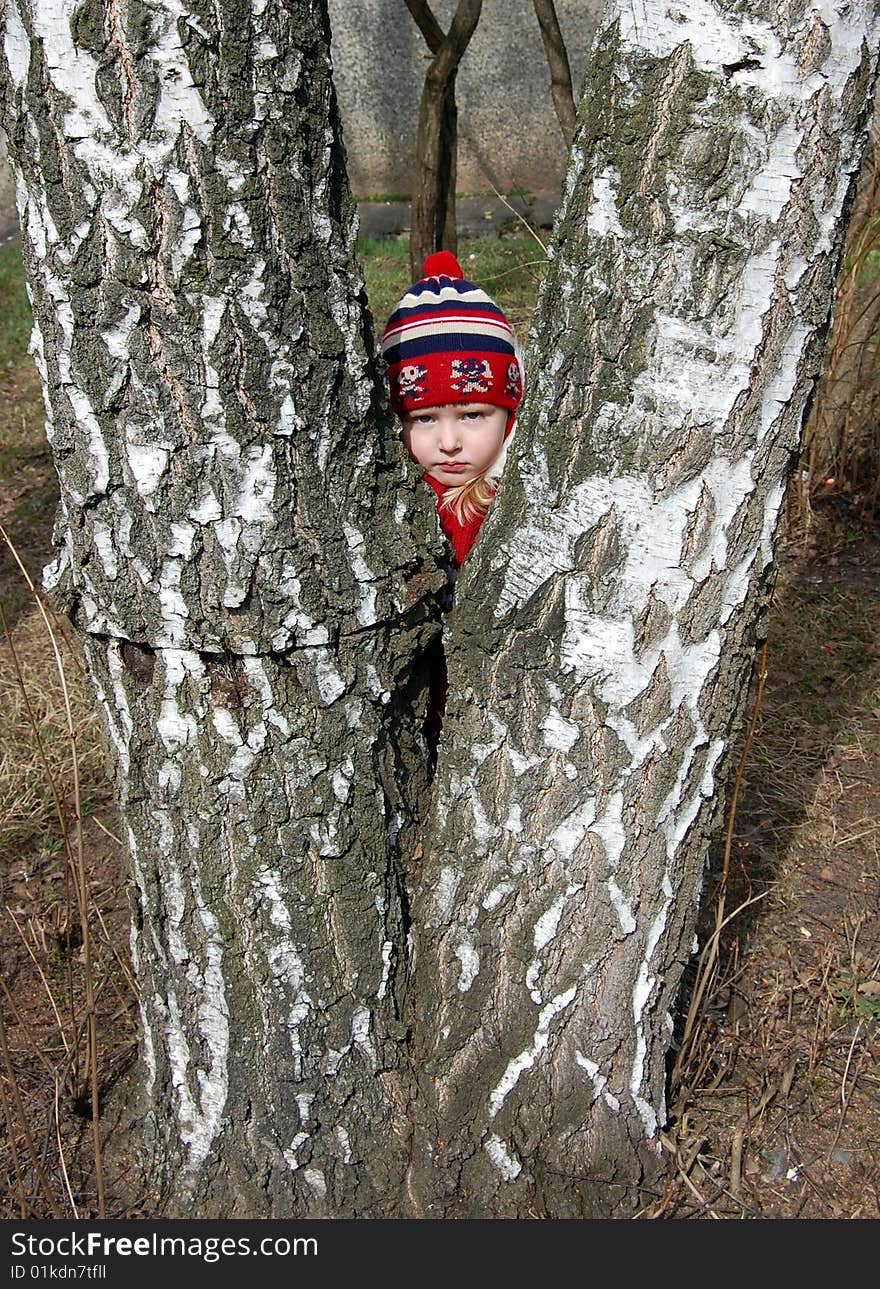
pixel 450 438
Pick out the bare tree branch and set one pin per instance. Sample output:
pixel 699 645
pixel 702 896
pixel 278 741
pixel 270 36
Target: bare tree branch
pixel 462 27
pixel 432 223
pixel 427 24
pixel 560 70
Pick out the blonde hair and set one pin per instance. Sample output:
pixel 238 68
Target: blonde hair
pixel 467 500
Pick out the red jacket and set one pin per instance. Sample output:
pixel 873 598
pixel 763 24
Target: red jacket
pixel 461 533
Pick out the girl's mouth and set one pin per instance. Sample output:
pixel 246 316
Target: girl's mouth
pixel 455 466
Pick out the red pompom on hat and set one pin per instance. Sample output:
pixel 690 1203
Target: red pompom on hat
pixel 442 264
pixel 448 342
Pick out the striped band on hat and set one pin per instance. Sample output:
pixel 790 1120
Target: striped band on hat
pixel 448 342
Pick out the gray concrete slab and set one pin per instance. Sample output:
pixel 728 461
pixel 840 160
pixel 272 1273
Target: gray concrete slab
pixel 508 134
pixel 484 216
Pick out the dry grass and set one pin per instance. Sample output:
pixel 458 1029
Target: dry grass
pixel 67 981
pixel 774 1106
pixel 35 757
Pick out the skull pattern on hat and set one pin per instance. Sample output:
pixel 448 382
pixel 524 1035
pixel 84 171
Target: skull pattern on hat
pixel 448 342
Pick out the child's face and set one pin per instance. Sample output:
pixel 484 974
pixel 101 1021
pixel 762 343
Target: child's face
pixel 455 442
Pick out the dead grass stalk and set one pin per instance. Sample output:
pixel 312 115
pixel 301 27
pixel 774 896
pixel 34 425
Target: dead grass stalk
pixel 75 862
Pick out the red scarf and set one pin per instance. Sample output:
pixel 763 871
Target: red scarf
pixel 462 533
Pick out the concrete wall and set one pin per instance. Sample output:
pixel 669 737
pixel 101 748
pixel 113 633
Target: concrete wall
pixel 508 133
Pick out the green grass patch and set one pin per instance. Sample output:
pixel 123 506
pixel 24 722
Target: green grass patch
pixel 510 269
pixel 15 309
pixel 385 262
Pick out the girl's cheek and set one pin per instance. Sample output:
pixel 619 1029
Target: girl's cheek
pixel 415 444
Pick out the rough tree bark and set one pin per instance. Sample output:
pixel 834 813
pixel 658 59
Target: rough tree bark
pixel 250 572
pixel 432 216
pixel 601 641
pixel 330 1027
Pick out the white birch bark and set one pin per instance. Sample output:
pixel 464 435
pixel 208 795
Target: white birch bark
pixel 254 580
pixel 249 568
pixel 602 637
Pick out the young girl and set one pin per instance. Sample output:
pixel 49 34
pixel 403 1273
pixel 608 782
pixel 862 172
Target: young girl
pixel 455 384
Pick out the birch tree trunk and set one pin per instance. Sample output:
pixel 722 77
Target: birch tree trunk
pixel 250 570
pixel 330 1028
pixel 602 636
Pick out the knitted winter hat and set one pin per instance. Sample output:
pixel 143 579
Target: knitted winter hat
pixel 447 342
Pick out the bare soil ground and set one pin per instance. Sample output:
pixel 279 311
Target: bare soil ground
pixel 774 1109
pixel 775 1097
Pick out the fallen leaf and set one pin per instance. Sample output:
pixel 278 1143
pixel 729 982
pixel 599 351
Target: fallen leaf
pixel 869 988
pixel 827 874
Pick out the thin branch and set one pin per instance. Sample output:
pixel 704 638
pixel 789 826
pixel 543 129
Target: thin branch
pixel 26 1208
pixel 427 24
pixel 709 957
pixel 560 68
pixel 525 223
pixel 106 831
pixel 61 1160
pixel 462 27
pixel 843 1096
pixel 46 986
pixel 38 1051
